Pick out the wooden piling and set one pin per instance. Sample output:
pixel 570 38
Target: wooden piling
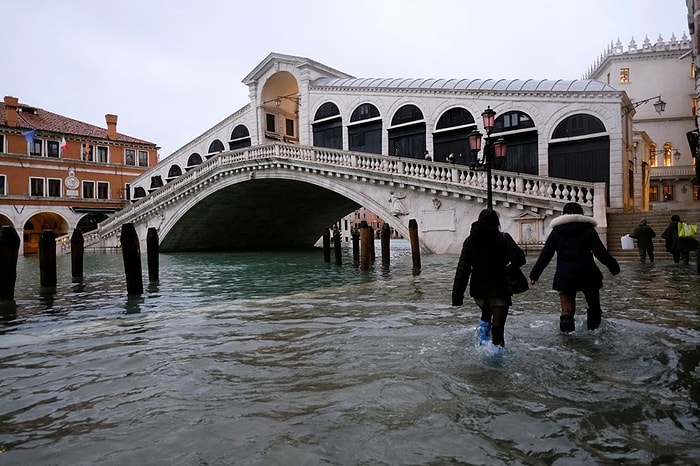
pixel 326 245
pixel 372 251
pixel 336 247
pixel 9 251
pixel 77 253
pixel 152 252
pixel 386 240
pixel 415 248
pixel 47 258
pixel 365 240
pixel 131 253
pixel 356 246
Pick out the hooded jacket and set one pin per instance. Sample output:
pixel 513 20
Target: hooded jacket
pixel 575 241
pixel 485 254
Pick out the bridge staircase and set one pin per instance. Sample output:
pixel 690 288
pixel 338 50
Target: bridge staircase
pixel 623 223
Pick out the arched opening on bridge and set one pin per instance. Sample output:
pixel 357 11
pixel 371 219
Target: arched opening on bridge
pixel 407 133
pixel 587 157
pixel 328 127
pixel 38 223
pixel 240 138
pixel 451 136
pixel 193 160
pixel 215 147
pixel 4 221
pixel 88 222
pixel 173 172
pixel 365 129
pixel 156 182
pixel 139 192
pixel 280 108
pixel 520 134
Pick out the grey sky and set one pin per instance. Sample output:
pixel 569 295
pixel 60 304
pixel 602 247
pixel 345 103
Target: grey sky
pixel 172 69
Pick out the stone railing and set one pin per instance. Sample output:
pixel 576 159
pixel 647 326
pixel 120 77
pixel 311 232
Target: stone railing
pixel 678 171
pixel 511 187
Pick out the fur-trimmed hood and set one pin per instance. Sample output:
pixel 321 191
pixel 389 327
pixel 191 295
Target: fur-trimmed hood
pixel 572 218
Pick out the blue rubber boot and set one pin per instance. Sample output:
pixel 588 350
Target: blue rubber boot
pixel 484 332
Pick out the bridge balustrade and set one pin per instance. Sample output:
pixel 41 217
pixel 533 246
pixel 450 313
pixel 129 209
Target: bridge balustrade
pixel 432 175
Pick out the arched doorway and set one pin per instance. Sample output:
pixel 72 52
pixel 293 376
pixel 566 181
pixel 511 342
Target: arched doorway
pixel 280 108
pixel 407 133
pixel 37 223
pixel 580 150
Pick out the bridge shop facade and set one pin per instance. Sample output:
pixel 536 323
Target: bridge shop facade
pixel 554 129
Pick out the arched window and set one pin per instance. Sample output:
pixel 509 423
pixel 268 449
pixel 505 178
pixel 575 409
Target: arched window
pixel 156 182
pixel 240 138
pixel 365 130
pixel 578 125
pixel 584 158
pixel 139 192
pixel 194 160
pixel 174 172
pixel 407 135
pixel 452 136
pixel 522 156
pixel 215 146
pixel 328 127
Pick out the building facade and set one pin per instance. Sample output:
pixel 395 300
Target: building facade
pixel 557 128
pixel 60 174
pixel 659 79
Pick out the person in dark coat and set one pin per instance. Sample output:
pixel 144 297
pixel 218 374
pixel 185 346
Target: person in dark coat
pixel 644 234
pixel 575 241
pixel 485 254
pixel 677 246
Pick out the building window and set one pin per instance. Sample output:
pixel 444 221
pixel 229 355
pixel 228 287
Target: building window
pixel 693 70
pixel 2 143
pixel 668 193
pixel 652 156
pixel 89 189
pixel 54 187
pixel 102 154
pixel 624 75
pixel 653 193
pixel 143 158
pixel 3 185
pixel 52 148
pixel 696 192
pixel 694 106
pixel 102 190
pixel 290 127
pixel 668 155
pixel 36 186
pixel 270 123
pixel 86 151
pixel 35 147
pixel 129 156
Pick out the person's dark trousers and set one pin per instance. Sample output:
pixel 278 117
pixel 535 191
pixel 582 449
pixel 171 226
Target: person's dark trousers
pixel 595 313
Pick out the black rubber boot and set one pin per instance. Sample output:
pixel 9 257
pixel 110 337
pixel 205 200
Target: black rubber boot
pixel 567 323
pixel 497 336
pixel 594 317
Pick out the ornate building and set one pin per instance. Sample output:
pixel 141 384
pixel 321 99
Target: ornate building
pixel 659 79
pixel 61 174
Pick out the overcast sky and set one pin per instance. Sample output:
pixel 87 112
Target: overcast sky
pixel 171 69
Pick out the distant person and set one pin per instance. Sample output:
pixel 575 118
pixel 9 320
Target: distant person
pixel 575 241
pixel 644 235
pixel 485 254
pixel 677 246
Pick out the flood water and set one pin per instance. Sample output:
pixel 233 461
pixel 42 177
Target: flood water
pixel 281 359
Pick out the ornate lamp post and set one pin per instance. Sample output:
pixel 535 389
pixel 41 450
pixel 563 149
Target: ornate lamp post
pixel 492 151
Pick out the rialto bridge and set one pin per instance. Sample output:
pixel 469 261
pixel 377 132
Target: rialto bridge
pixel 282 195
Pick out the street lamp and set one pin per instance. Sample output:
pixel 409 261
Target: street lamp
pixel 493 152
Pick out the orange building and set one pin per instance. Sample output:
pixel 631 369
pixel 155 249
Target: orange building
pixel 60 174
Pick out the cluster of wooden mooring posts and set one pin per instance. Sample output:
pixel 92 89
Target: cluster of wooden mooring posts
pixel 131 252
pixel 362 242
pixel 363 245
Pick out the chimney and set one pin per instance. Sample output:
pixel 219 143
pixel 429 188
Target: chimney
pixel 111 126
pixel 11 104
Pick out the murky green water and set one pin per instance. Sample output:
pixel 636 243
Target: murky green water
pixel 283 359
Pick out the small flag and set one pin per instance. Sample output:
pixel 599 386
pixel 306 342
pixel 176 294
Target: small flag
pixel 64 144
pixel 29 135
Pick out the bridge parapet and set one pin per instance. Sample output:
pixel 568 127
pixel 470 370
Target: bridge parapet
pixel 524 191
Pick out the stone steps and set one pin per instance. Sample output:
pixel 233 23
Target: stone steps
pixel 623 223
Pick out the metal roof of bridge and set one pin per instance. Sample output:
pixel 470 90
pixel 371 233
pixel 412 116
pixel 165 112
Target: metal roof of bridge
pixel 546 85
